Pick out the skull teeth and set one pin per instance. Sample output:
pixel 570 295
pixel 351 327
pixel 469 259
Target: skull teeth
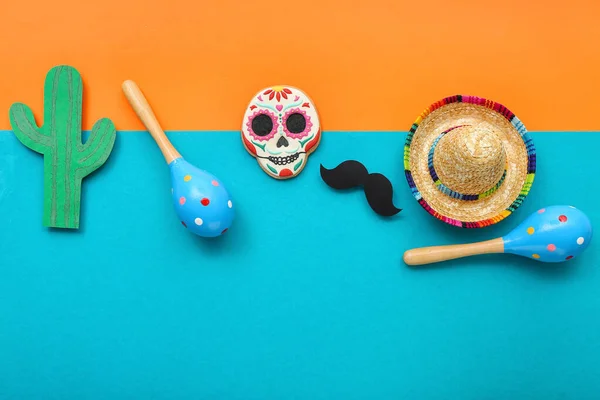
pixel 284 160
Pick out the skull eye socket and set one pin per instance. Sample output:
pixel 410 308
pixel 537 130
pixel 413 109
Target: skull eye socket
pixel 262 125
pixel 295 123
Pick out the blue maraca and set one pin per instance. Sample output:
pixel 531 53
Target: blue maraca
pixel 551 234
pixel 201 202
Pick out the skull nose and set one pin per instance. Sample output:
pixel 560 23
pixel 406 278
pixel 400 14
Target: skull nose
pixel 282 142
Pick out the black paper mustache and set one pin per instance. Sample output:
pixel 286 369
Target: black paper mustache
pixel 378 189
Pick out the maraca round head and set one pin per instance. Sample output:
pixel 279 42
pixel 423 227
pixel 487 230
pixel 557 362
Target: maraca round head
pixel 551 234
pixel 202 203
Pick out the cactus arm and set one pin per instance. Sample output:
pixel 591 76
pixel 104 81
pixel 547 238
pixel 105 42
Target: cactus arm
pixel 26 130
pixel 98 147
pixel 90 156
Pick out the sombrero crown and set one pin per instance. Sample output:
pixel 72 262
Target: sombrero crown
pixel 469 161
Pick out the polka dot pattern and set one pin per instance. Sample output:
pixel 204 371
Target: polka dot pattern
pixel 229 204
pixel 200 200
pixel 551 234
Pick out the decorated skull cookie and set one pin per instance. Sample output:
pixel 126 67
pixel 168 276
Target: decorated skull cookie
pixel 280 129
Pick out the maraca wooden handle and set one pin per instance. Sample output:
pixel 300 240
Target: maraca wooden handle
pixel 144 112
pixel 429 255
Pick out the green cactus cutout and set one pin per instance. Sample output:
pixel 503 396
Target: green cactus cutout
pixel 67 160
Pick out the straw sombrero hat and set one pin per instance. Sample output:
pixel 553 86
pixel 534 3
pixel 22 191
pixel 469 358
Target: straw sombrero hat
pixel 469 161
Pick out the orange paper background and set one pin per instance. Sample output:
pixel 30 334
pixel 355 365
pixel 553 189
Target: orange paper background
pixel 369 65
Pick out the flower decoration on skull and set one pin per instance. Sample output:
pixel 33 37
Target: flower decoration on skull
pixel 280 129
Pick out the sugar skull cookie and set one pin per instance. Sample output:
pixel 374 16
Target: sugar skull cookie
pixel 280 129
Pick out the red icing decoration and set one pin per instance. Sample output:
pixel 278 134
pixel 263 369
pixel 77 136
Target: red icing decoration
pixel 306 105
pixel 562 218
pixel 313 142
pixel 182 200
pixel 224 230
pixel 285 172
pixel 551 247
pixel 249 145
pixel 215 183
pixel 205 201
pixel 568 258
pixel 183 223
pixel 252 107
pixel 279 93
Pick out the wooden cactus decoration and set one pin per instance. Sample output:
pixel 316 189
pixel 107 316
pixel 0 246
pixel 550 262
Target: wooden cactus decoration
pixel 67 160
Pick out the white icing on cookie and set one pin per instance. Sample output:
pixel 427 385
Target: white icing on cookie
pixel 280 129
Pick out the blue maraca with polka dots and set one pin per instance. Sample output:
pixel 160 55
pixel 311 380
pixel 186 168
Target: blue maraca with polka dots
pixel 201 201
pixel 551 234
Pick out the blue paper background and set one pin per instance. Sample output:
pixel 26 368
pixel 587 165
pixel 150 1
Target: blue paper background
pixel 306 297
